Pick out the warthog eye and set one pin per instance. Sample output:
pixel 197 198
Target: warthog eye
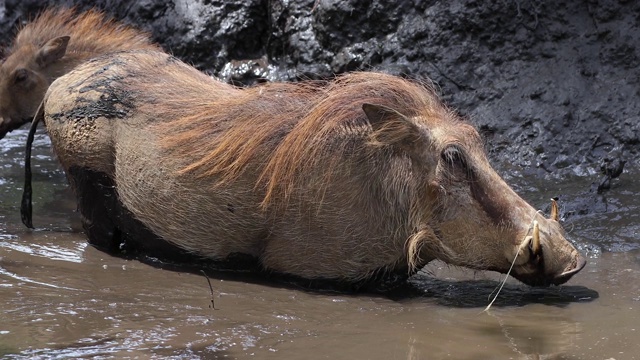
pixel 454 157
pixel 455 161
pixel 20 75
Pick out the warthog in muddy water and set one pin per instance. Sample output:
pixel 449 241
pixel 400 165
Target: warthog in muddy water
pixel 50 46
pixel 365 176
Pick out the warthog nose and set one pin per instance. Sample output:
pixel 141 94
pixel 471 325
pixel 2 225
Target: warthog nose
pixel 565 276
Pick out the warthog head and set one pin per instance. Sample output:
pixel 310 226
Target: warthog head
pixel 24 81
pixel 478 221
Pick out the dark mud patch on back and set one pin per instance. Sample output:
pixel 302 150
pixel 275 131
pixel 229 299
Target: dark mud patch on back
pixel 112 65
pixel 113 103
pixel 105 107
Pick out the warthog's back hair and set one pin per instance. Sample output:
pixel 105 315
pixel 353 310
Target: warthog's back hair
pixel 299 126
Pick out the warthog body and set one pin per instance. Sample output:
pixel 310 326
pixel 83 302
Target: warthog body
pixel 50 46
pixel 346 180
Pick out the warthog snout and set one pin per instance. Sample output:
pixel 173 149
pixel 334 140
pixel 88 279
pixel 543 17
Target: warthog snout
pixel 580 262
pixel 7 125
pixel 544 278
pixel 545 256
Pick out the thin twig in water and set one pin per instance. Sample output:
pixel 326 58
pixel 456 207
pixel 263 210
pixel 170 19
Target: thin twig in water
pixel 522 245
pixel 213 304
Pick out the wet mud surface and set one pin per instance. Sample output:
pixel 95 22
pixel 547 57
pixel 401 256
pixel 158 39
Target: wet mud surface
pixel 63 298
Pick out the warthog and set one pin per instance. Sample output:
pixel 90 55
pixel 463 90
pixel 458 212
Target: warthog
pixel 50 46
pixel 365 176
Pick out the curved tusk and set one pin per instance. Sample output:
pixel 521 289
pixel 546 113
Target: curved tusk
pixel 555 214
pixel 536 247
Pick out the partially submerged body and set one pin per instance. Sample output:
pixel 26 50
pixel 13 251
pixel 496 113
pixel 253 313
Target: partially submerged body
pixel 51 46
pixel 366 175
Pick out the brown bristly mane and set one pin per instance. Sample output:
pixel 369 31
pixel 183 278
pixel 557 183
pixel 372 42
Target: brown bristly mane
pixel 91 32
pixel 301 121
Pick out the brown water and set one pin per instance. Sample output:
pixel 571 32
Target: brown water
pixel 64 299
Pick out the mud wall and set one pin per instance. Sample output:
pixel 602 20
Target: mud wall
pixel 552 86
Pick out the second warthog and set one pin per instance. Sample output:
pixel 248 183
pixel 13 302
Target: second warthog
pixel 348 180
pixel 50 46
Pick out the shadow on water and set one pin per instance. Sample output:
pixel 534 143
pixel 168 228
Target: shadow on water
pixel 479 293
pixel 476 293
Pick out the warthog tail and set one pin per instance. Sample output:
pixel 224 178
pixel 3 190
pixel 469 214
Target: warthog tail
pixel 26 209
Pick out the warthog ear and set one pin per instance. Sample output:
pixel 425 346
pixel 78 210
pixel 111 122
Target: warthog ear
pixel 53 50
pixel 391 128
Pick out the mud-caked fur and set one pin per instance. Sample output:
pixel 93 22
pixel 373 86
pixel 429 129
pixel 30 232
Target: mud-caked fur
pixel 342 179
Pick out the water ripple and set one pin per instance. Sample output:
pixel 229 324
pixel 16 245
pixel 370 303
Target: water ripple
pixel 44 250
pixel 27 280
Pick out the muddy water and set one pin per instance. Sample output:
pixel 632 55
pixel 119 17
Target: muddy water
pixel 61 298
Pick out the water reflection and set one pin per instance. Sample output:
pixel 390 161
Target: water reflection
pixel 533 333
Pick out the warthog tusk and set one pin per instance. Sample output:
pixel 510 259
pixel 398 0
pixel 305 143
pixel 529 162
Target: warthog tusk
pixel 555 214
pixel 535 246
pixel 533 241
